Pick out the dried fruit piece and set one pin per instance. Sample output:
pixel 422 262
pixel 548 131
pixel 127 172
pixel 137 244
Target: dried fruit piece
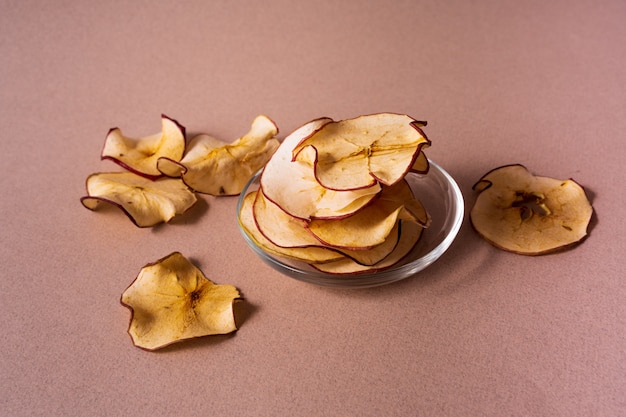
pixel 371 225
pixel 410 232
pixel 140 155
pixel 214 167
pixel 530 215
pixel 307 253
pixel 171 300
pixel 358 153
pixel 292 184
pixel 145 201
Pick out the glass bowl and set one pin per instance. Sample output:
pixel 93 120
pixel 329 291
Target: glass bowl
pixel 441 197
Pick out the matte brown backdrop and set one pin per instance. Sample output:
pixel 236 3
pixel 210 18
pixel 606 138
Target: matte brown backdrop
pixel 481 332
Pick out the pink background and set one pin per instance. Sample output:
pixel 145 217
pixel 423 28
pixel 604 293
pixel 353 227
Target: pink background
pixel 481 332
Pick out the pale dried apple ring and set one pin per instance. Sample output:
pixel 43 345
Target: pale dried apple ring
pixel 527 214
pixel 140 155
pixel 357 153
pixel 171 300
pixel 293 187
pixel 146 202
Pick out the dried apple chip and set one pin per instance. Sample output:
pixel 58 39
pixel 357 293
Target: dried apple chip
pixel 371 225
pixel 357 153
pixel 527 214
pixel 217 168
pixel 146 202
pixel 410 233
pixel 171 300
pixel 292 184
pixel 140 155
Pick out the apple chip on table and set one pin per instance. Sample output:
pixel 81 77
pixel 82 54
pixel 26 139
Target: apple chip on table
pixel 211 166
pixel 146 194
pixel 531 215
pixel 171 300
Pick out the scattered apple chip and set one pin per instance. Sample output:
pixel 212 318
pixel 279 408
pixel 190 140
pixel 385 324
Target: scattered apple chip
pixel 147 202
pixel 140 155
pixel 360 152
pixel 527 214
pixel 293 187
pixel 171 300
pixel 213 167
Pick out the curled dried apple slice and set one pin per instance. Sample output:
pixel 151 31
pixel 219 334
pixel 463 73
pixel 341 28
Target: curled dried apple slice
pixel 371 225
pixel 217 168
pixel 146 202
pixel 286 232
pixel 308 254
pixel 527 214
pixel 171 300
pixel 357 153
pixel 140 155
pixel 410 233
pixel 293 187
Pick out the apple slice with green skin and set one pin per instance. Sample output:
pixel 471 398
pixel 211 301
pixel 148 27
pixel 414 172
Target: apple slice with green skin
pixel 146 202
pixel 293 187
pixel 140 155
pixel 213 167
pixel 527 214
pixel 357 153
pixel 410 233
pixel 371 225
pixel 171 300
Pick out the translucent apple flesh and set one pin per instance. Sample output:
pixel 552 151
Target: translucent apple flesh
pixel 527 214
pixel 140 155
pixel 171 300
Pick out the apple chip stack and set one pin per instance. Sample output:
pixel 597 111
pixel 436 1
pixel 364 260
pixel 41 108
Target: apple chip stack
pixel 334 194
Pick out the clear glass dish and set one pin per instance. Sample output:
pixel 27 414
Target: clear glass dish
pixel 443 200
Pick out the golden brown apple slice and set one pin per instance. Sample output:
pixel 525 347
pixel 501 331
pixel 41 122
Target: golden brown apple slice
pixel 371 225
pixel 171 300
pixel 530 215
pixel 410 233
pixel 307 253
pixel 293 187
pixel 357 153
pixel 146 202
pixel 217 168
pixel 288 232
pixel 140 155
pixel 421 164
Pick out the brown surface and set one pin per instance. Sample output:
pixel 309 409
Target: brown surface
pixel 481 332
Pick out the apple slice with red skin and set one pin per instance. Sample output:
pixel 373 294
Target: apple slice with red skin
pixel 527 214
pixel 171 300
pixel 358 153
pixel 293 187
pixel 146 202
pixel 371 225
pixel 140 155
pixel 288 232
pixel 222 169
pixel 410 233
